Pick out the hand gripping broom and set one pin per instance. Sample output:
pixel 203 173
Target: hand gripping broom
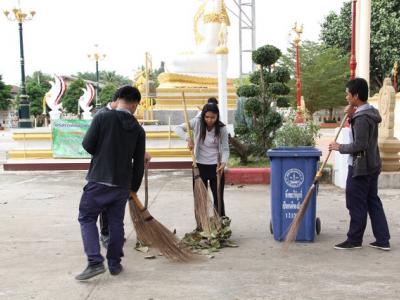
pixel 204 211
pixel 294 227
pixel 151 232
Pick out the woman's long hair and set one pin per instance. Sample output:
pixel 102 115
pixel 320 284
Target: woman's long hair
pixel 203 126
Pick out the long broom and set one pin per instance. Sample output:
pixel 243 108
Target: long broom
pixel 294 227
pixel 151 232
pixel 204 211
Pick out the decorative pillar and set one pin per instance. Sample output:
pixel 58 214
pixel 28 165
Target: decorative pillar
pixel 222 87
pixel 222 60
pixel 364 31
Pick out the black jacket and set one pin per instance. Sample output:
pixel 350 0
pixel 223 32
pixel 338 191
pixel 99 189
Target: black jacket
pixel 116 142
pixel 364 148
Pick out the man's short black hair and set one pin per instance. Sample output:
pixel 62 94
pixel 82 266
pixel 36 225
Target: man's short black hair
pixel 128 93
pixel 212 100
pixel 358 86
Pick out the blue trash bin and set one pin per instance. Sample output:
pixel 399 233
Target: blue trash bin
pixel 293 171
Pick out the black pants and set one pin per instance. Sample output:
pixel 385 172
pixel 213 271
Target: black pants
pixel 95 199
pixel 208 173
pixel 362 200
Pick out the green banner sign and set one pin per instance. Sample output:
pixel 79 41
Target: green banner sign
pixel 67 138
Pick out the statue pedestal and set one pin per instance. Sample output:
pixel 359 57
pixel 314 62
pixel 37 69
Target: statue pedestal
pixel 389 150
pixel 55 114
pixel 87 115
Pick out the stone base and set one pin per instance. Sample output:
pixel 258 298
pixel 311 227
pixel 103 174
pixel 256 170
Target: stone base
pixel 389 149
pixel 389 180
pixel 176 116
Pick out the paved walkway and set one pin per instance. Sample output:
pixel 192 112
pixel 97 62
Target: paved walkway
pixel 41 248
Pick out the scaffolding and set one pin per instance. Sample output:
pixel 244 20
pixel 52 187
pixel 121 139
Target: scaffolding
pixel 247 31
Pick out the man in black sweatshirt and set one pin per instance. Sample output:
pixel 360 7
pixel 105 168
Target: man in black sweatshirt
pixel 116 142
pixel 104 232
pixel 364 169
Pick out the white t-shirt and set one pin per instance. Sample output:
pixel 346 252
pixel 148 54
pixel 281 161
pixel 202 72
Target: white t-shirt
pixel 208 149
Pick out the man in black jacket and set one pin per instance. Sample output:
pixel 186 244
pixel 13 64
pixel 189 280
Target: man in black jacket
pixel 364 169
pixel 116 142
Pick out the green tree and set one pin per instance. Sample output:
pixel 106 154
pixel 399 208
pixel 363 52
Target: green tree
pixel 323 73
pixel 385 30
pixel 37 86
pixel 105 77
pixel 5 95
pixel 107 93
pixel 268 84
pixel 72 95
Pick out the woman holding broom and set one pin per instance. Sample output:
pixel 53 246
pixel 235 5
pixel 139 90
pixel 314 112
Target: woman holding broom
pixel 211 150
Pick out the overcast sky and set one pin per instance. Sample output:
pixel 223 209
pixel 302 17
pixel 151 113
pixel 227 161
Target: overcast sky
pixel 62 33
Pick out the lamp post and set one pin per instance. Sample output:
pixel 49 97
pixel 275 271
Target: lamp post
pixel 20 17
pixel 97 56
pixel 353 62
pixel 298 29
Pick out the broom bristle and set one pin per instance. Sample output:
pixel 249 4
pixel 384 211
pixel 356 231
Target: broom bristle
pixel 204 210
pixel 151 232
pixel 138 223
pixel 294 227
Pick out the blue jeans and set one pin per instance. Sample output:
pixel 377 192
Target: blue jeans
pixel 362 200
pixel 112 200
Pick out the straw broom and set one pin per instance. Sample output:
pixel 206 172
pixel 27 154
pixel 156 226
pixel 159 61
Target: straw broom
pixel 294 227
pixel 204 211
pixel 151 232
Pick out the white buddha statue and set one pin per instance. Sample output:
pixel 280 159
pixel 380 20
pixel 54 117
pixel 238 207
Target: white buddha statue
pixel 210 33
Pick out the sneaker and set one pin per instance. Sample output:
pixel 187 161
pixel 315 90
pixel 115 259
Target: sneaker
pixel 91 271
pixel 346 245
pixel 104 239
pixel 382 246
pixel 115 270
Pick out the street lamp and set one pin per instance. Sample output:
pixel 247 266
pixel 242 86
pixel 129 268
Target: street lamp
pixel 298 29
pixel 97 56
pixel 23 110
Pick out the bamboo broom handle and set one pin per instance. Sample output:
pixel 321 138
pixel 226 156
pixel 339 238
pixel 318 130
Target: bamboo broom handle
pixel 319 173
pixel 188 127
pixel 146 187
pixel 136 200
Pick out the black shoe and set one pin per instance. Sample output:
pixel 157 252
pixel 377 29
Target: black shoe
pixel 115 270
pixel 382 246
pixel 91 271
pixel 104 239
pixel 346 245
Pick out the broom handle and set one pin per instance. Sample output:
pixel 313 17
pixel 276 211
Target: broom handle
pixel 136 200
pixel 319 173
pixel 146 188
pixel 188 127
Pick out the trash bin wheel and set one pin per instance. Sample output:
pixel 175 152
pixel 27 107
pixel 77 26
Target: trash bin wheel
pixel 318 226
pixel 270 227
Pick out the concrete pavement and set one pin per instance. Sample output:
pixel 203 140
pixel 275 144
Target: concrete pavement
pixel 42 249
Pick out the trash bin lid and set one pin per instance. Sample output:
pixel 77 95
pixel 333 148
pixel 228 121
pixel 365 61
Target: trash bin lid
pixel 305 151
